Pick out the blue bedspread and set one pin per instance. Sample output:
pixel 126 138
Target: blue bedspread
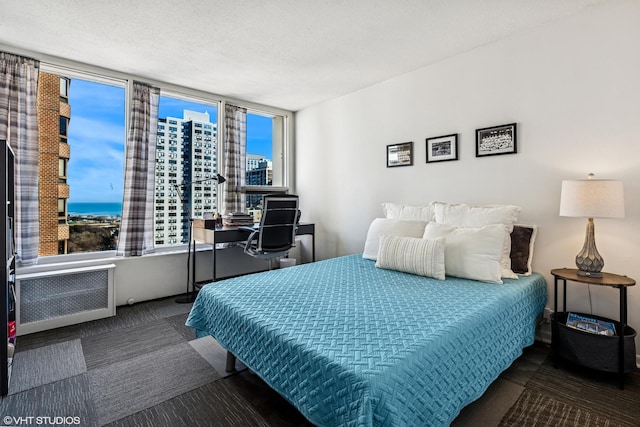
pixel 353 345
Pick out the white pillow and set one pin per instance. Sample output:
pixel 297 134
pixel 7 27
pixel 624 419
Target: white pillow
pixel 469 252
pixel 424 257
pixel 462 215
pixel 391 227
pixel 402 211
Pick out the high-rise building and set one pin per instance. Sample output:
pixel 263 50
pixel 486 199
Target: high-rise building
pixel 253 161
pixel 259 172
pixel 186 151
pixel 54 113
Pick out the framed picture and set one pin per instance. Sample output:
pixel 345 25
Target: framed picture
pixel 400 154
pixel 496 140
pixel 442 148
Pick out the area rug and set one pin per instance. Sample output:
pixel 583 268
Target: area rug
pixel 534 409
pixel 570 395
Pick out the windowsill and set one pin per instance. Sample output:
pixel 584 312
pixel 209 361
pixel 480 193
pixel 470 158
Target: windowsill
pixel 57 262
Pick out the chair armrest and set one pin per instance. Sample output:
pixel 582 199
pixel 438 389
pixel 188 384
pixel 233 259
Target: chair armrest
pixel 248 244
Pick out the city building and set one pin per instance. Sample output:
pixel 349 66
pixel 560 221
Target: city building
pixel 259 172
pixel 54 113
pixel 253 161
pixel 186 154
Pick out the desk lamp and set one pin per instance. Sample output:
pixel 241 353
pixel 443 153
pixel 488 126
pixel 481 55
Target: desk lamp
pixel 591 198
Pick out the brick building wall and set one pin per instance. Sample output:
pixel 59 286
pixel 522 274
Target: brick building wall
pixel 50 108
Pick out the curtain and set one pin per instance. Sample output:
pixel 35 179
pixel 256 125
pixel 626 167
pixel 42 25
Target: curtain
pixel 136 231
pixel 19 126
pixel 235 131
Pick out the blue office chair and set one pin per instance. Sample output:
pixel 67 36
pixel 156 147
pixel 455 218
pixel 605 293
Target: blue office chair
pixel 277 231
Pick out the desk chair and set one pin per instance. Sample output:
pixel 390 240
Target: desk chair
pixel 277 231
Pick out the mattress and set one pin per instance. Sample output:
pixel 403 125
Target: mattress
pixel 350 344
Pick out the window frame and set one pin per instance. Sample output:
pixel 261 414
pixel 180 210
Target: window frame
pixel 102 77
pixel 280 148
pixel 72 69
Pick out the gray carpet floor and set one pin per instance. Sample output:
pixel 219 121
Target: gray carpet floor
pixel 144 367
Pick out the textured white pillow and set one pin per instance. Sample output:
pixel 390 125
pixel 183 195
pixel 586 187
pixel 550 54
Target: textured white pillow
pixel 462 215
pixel 402 211
pixel 391 227
pixel 424 257
pixel 469 252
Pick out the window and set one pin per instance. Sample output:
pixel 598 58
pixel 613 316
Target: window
pixel 64 88
pixel 62 208
pixel 62 171
pixel 64 125
pixel 92 124
pixel 185 118
pixel 89 112
pixel 265 166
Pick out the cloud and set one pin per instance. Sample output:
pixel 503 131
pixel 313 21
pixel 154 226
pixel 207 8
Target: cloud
pixel 97 140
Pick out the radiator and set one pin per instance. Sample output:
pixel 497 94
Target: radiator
pixel 52 299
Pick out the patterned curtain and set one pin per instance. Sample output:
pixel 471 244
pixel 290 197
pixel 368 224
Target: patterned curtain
pixel 19 126
pixel 235 131
pixel 136 230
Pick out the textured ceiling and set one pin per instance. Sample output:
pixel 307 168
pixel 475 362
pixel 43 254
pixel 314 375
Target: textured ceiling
pixel 284 53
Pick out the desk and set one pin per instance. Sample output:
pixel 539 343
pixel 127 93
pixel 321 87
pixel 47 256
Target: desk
pixel 235 234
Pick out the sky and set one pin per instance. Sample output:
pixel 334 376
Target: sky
pixel 96 137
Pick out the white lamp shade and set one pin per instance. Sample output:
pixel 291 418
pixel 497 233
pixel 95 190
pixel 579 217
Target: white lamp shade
pixel 592 198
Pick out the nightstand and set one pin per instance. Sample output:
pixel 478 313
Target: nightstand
pixel 587 349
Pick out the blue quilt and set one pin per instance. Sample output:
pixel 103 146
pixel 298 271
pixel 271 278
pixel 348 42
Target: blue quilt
pixel 352 345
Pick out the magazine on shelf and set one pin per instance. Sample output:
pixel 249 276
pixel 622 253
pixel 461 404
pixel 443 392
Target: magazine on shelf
pixel 590 324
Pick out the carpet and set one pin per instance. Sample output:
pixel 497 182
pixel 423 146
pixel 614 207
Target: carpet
pixel 117 346
pixel 574 396
pixel 127 316
pixel 43 365
pixel 215 354
pixel 534 409
pixel 177 322
pixel 147 380
pixel 215 404
pixel 69 397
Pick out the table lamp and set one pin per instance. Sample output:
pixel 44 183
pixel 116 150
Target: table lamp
pixel 591 198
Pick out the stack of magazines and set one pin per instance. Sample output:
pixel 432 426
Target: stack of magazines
pixel 590 324
pixel 237 219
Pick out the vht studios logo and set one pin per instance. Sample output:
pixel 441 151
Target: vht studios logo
pixel 40 421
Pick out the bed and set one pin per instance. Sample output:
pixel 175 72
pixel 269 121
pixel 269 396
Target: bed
pixel 350 344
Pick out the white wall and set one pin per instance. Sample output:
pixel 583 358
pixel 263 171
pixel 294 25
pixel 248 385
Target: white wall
pixel 573 87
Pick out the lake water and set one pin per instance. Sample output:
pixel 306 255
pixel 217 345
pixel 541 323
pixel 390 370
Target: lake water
pixel 96 209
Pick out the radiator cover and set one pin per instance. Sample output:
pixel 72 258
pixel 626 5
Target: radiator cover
pixel 53 299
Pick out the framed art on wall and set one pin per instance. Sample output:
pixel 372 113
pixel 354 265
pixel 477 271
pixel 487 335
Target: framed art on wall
pixel 400 154
pixel 442 148
pixel 496 140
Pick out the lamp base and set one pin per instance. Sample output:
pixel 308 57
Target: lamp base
pixel 595 274
pixel 589 261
